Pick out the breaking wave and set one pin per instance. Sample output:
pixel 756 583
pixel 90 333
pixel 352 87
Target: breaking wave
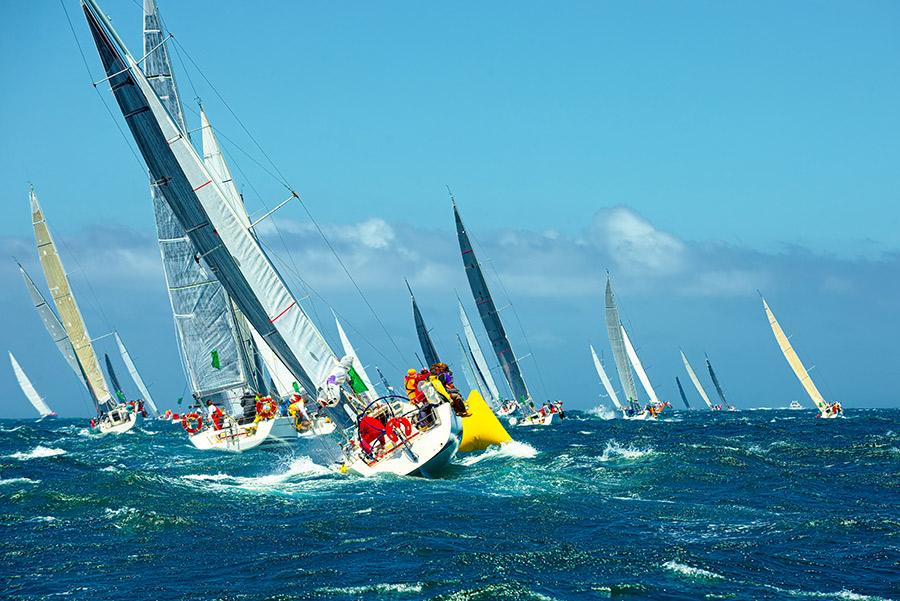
pixel 615 451
pixel 37 453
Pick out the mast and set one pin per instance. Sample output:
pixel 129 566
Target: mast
pixel 696 380
pixel 794 361
pixel 616 342
pixel 384 382
pixel 715 381
pixel 204 322
pixel 681 392
pixel 135 376
pixel 226 246
pixel 28 388
pixel 489 315
pixel 116 386
pixel 431 356
pixel 638 367
pixel 610 391
pixel 68 310
pixel 480 363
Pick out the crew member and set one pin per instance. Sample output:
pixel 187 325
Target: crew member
pixel 215 414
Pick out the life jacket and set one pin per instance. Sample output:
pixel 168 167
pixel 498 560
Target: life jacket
pixel 371 430
pixel 411 382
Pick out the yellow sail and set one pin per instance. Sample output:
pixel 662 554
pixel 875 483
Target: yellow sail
pixel 791 355
pixel 65 304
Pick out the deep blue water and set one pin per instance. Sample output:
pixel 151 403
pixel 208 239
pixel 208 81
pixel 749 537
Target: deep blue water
pixel 752 505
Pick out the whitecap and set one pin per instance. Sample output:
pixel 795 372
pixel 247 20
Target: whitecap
pixel 36 453
pixel 401 587
pixel 686 570
pixel 614 451
pixel 303 466
pixel 18 481
pixel 513 448
pixel 11 429
pixel 603 412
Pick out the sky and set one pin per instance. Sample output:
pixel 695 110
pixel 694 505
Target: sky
pixel 698 151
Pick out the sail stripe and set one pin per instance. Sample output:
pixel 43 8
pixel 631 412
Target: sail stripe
pixel 202 185
pixel 289 307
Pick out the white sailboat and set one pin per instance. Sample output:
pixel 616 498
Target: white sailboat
pixel 631 407
pixel 112 417
pixel 480 367
pixel 407 443
pixel 826 410
pixel 655 406
pixel 611 391
pixel 136 376
pixel 36 400
pixel 700 390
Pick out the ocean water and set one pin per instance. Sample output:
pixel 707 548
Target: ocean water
pixel 751 505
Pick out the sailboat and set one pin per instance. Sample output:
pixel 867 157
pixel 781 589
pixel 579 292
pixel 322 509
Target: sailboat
pixel 407 444
pixel 545 416
pixel 136 377
pixel 111 416
pixel 712 374
pixel 826 410
pixel 607 385
pixel 36 400
pixel 631 407
pixel 681 392
pixel 482 373
pixel 700 390
pixel 655 406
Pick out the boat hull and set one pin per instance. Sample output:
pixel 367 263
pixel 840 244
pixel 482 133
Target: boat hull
pixel 233 438
pixel 107 426
pixel 539 420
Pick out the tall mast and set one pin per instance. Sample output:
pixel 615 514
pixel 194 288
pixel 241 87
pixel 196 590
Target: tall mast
pixel 489 315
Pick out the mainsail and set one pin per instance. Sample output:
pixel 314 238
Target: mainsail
pixel 116 386
pixel 638 368
pixel 715 381
pixel 229 249
pixel 480 363
pixel 794 361
pixel 681 392
pixel 138 380
pixel 53 325
pixel 489 315
pixel 203 318
pixel 428 350
pixel 696 380
pixel 65 303
pixel 28 388
pixel 468 368
pixel 605 379
pixel 616 342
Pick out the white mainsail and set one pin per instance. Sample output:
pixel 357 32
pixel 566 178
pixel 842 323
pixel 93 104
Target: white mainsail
pixel 620 356
pixel 65 303
pixel 469 369
pixel 794 361
pixel 28 388
pixel 138 380
pixel 638 368
pixel 696 380
pixel 478 357
pixel 357 362
pixel 605 379
pixel 215 163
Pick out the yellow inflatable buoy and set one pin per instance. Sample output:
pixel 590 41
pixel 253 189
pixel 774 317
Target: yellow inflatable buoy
pixel 481 428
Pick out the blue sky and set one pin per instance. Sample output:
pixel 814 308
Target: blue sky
pixel 697 150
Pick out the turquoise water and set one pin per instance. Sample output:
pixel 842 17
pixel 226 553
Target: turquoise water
pixel 750 505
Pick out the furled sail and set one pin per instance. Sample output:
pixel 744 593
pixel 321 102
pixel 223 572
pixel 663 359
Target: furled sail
pixel 489 315
pixel 114 380
pixel 681 392
pixel 357 362
pixel 610 391
pixel 28 388
pixel 428 350
pixel 491 393
pixel 715 381
pixel 136 377
pixel 53 325
pixel 229 249
pixel 65 303
pixel 638 367
pixel 203 318
pixel 696 380
pixel 794 361
pixel 616 342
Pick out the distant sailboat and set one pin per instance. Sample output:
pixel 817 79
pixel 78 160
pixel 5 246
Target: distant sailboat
pixel 112 417
pixel 718 387
pixel 681 392
pixel 607 385
pixel 697 384
pixel 826 410
pixel 36 400
pixel 631 405
pixel 482 371
pixel 640 371
pixel 136 377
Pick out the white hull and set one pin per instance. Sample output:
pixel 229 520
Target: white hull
pixel 426 452
pixel 233 437
pixel 504 411
pixel 108 426
pixel 643 415
pixel 830 415
pixel 536 419
pixel 320 427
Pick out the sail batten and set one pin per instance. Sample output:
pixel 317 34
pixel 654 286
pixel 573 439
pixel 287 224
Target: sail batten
pixel 794 361
pixel 65 303
pixel 617 344
pixel 489 315
pixel 610 391
pixel 36 400
pixel 135 376
pixel 695 380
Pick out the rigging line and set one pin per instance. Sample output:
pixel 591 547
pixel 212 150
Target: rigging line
pixel 350 276
pixel 99 94
pixel 233 114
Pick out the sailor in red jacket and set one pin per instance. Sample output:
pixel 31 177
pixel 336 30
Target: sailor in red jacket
pixel 215 414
